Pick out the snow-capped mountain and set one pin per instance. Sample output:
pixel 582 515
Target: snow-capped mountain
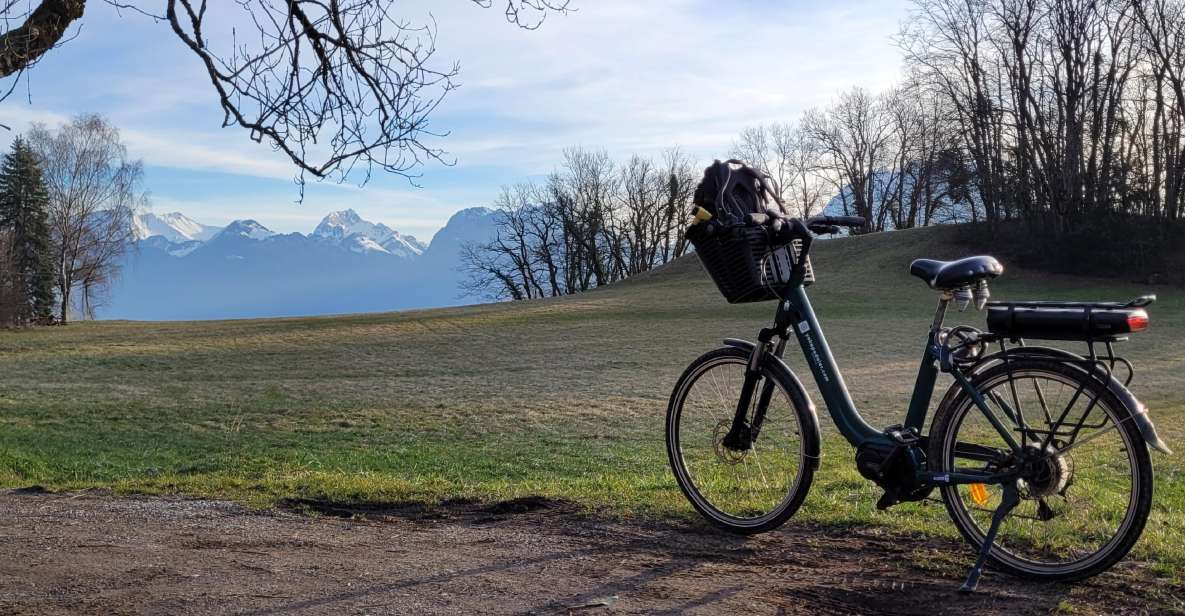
pixel 245 228
pixel 349 229
pixel 174 226
pixel 345 265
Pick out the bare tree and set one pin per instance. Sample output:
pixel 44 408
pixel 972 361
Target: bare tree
pixel 1162 23
pixel 592 223
pixel 336 86
pixel 788 155
pixel 506 267
pixel 853 137
pixel 947 42
pixel 587 188
pixel 94 192
pixel 767 148
pixel 681 180
pixel 1069 110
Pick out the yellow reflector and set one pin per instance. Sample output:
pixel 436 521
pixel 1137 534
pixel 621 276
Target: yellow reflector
pixel 979 493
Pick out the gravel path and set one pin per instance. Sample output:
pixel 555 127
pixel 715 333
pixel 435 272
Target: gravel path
pixel 96 554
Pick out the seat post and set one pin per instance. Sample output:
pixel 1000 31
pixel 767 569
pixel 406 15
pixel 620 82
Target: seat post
pixel 940 312
pixel 923 388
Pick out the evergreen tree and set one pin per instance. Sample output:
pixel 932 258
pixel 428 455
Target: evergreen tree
pixel 24 204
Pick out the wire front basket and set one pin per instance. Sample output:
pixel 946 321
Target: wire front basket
pixel 745 265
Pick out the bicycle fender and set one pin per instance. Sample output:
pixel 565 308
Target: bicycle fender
pixel 798 394
pixel 1138 410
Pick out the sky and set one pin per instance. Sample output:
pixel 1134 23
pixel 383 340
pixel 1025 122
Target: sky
pixel 626 76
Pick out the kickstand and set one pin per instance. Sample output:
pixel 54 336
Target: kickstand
pixel 1009 502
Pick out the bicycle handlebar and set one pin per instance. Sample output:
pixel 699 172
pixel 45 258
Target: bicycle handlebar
pixel 785 230
pixel 852 222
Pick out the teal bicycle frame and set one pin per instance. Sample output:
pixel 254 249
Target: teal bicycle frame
pixel 796 314
pixel 1004 466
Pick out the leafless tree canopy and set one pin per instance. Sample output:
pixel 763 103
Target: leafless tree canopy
pixel 786 153
pixel 94 192
pixel 1065 113
pixel 1066 109
pixel 592 223
pixel 891 157
pixel 338 87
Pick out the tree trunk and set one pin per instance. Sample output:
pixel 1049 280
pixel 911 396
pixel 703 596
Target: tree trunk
pixel 43 28
pixel 65 306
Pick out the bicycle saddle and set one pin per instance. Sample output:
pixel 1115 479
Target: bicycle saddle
pixel 946 275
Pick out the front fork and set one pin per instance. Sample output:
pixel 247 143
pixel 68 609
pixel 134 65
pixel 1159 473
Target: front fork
pixel 743 433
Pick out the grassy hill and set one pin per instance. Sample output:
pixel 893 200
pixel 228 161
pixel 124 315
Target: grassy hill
pixel 562 398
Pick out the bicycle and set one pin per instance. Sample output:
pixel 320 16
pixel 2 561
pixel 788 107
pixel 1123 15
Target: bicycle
pixel 1040 455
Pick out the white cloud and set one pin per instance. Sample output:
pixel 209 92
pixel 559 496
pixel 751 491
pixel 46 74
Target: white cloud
pixel 625 75
pixel 177 149
pixel 206 152
pixel 632 75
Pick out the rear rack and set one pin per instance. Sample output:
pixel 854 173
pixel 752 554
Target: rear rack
pixel 1077 321
pixel 1142 301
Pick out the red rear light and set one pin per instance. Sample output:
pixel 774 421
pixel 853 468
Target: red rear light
pixel 1137 321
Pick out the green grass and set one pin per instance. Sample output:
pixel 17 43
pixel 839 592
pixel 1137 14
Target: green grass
pixel 561 398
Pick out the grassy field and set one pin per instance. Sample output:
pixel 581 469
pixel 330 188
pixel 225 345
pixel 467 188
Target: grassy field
pixel 561 398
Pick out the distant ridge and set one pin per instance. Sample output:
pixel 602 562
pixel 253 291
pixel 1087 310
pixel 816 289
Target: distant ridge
pixel 174 226
pixel 185 270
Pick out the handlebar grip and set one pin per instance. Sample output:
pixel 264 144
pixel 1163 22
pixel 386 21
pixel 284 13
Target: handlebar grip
pixel 838 221
pixel 758 219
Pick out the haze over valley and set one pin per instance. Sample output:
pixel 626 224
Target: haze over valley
pixel 182 269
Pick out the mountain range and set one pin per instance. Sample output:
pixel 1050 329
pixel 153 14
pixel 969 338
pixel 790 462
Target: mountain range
pixel 182 269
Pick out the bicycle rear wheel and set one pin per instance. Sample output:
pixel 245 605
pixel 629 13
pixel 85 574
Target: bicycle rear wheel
pixel 1086 494
pixel 749 491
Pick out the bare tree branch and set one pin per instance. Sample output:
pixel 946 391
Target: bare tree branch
pixel 337 86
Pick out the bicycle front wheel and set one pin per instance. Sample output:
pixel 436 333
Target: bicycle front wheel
pixel 750 490
pixel 1087 488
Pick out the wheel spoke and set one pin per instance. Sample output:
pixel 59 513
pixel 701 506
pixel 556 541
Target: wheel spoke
pixel 1078 484
pixel 736 488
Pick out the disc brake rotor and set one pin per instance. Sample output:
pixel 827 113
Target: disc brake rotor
pixel 725 454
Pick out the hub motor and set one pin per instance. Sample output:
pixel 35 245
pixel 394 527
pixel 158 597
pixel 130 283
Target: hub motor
pixel 1044 473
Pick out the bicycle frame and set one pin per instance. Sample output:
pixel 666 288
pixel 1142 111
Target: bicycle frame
pixel 895 457
pixel 796 314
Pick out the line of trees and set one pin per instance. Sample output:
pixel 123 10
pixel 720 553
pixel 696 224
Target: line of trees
pixel 1065 115
pixel 67 202
pixel 590 223
pixel 1066 110
pixel 892 158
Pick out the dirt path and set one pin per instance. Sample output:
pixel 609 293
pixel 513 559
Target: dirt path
pixel 94 554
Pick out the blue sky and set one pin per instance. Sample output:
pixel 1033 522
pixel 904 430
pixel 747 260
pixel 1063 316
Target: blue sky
pixel 624 75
